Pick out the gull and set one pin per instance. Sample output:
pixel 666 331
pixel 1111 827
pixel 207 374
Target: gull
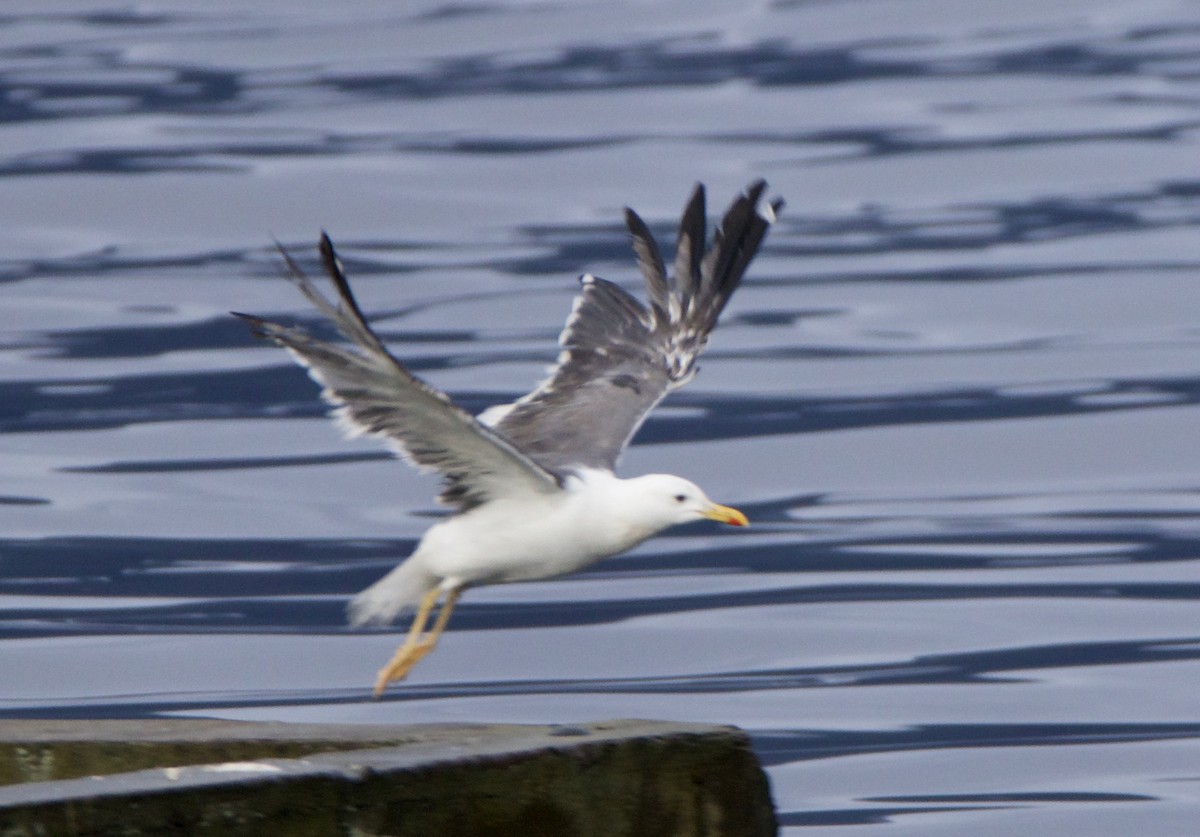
pixel 531 482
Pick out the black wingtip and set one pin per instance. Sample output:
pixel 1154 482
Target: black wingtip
pixel 734 245
pixel 325 246
pixel 776 206
pixel 330 260
pixel 650 262
pixel 258 326
pixel 337 272
pixel 689 245
pixel 753 194
pixel 635 225
pixel 294 271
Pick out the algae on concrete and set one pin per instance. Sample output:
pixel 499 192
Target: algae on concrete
pixel 634 778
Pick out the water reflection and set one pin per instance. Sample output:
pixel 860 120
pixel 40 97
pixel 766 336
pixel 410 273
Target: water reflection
pixel 956 399
pixel 281 391
pixel 301 585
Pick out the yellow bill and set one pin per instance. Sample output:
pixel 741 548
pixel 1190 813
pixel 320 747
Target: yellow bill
pixel 724 514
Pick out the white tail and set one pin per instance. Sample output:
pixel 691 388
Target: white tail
pixel 393 594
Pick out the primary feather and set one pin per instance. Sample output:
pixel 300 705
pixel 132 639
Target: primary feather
pixel 620 357
pixel 375 395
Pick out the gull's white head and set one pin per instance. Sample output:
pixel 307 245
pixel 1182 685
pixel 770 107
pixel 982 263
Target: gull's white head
pixel 664 500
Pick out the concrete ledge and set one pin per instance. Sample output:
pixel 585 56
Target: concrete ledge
pixel 611 779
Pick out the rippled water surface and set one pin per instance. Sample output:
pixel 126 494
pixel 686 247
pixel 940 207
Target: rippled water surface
pixel 958 396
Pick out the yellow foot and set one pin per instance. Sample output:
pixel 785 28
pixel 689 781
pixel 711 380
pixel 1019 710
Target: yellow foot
pixel 416 645
pixel 401 664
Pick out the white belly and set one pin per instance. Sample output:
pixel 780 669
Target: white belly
pixel 503 541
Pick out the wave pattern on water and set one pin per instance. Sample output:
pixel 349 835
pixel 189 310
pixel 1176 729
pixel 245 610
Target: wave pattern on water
pixel 957 395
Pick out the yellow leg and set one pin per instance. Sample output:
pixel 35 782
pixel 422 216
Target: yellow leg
pixel 415 645
pixel 400 658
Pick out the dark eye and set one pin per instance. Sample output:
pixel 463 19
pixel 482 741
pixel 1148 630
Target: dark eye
pixel 679 498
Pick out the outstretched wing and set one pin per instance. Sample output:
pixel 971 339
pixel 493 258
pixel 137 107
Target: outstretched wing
pixel 376 396
pixel 620 357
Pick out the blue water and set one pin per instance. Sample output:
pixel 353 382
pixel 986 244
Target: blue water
pixel 958 395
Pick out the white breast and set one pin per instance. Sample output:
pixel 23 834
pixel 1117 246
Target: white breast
pixel 535 537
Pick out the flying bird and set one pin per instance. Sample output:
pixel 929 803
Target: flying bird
pixel 532 483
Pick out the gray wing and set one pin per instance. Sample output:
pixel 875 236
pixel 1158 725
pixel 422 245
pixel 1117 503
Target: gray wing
pixel 376 396
pixel 620 357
